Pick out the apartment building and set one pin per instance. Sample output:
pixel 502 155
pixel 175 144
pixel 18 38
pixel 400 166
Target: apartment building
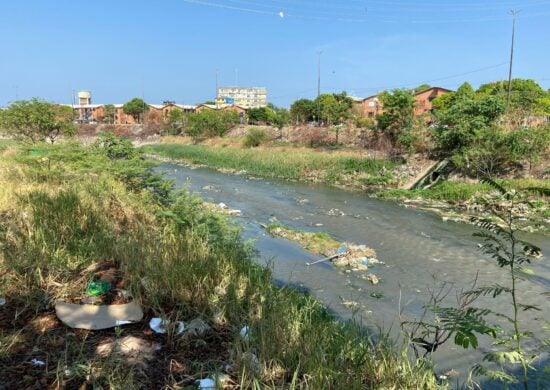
pixel 246 97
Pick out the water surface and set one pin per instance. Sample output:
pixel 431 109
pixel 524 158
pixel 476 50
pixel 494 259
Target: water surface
pixel 420 251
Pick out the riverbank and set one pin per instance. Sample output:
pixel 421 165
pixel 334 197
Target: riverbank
pixel 356 170
pixel 71 215
pixel 341 168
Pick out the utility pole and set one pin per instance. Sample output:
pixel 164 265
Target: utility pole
pixel 216 95
pixel 513 13
pixel 319 86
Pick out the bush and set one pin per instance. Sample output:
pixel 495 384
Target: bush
pixel 211 123
pixel 255 137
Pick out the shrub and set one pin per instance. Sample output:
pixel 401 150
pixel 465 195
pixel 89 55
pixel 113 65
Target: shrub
pixel 255 137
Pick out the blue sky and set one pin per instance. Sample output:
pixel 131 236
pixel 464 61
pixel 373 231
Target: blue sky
pixel 170 50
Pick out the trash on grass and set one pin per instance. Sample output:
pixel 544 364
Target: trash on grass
pixel 98 288
pixel 38 363
pixel 122 322
pixel 197 327
pixel 91 300
pixel 245 332
pixel 206 384
pixel 130 346
pixel 2 301
pixel 94 317
pixel 158 325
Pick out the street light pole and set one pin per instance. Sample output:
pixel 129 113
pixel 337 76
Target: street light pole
pixel 513 13
pixel 216 95
pixel 319 86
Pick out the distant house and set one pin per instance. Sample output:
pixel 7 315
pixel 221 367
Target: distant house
pixel 371 106
pixel 425 98
pixel 86 112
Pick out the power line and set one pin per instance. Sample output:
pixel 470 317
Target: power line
pixel 370 12
pixel 435 79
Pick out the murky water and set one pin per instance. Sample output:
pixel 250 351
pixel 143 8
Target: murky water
pixel 419 250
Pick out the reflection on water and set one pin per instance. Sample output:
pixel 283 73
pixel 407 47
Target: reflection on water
pixel 419 249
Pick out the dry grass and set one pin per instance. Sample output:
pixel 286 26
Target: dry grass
pixel 65 211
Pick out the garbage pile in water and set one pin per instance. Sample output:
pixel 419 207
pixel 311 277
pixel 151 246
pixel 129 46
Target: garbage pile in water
pixel 354 257
pixel 349 256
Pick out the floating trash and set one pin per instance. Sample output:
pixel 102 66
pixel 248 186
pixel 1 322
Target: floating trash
pixel 2 301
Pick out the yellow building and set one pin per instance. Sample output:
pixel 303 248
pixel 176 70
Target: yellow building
pixel 252 97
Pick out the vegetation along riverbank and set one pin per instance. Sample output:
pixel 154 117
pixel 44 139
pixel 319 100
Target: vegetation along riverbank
pixel 71 215
pixel 352 169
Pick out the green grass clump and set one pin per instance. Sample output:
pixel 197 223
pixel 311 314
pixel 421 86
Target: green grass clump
pixel 291 164
pixel 455 191
pixel 316 242
pixel 78 206
pixel 254 137
pixel 6 143
pixel 444 191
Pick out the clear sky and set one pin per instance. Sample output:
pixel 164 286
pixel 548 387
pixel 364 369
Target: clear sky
pixel 171 49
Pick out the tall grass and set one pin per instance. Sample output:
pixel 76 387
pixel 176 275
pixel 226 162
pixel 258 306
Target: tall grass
pixel 284 163
pixel 180 260
pixel 453 191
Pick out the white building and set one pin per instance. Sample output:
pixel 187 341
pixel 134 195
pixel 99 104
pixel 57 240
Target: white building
pixel 252 97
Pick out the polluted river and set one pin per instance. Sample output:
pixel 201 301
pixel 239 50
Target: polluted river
pixel 418 249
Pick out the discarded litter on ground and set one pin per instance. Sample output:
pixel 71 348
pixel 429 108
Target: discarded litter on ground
pixel 98 288
pixel 206 384
pixel 38 363
pixel 95 317
pixel 245 331
pixel 158 325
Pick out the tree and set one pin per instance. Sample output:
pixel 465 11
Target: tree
pixel 282 117
pixel 302 111
pixel 421 87
pixel 524 93
pixel 211 123
pixel 334 108
pixel 37 120
pixel 464 114
pixel 503 243
pixel 109 113
pixel 136 107
pixel 398 115
pixel 529 143
pixel 176 121
pixel 259 115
